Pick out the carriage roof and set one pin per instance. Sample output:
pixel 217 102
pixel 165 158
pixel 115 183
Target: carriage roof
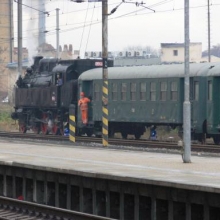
pixel 154 71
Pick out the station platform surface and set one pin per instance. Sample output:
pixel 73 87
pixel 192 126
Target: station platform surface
pixel 203 173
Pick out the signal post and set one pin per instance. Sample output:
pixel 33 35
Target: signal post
pixel 105 73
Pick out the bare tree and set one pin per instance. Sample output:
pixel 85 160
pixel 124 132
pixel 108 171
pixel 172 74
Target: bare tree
pixel 215 51
pixel 149 50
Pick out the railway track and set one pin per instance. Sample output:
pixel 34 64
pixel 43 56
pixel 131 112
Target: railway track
pixel 18 210
pixel 116 143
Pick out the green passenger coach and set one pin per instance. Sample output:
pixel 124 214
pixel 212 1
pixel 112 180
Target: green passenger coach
pixel 142 96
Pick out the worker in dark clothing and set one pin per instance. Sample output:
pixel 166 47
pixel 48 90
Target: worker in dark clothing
pixel 153 133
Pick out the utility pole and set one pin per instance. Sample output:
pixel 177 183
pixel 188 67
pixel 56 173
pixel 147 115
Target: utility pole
pixel 105 72
pixel 42 22
pixel 10 3
pixel 19 38
pixel 186 104
pixel 209 41
pixel 57 32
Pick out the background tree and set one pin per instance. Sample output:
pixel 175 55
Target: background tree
pixel 215 51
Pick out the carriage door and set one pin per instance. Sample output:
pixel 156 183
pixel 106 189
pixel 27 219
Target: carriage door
pixel 198 99
pixel 213 106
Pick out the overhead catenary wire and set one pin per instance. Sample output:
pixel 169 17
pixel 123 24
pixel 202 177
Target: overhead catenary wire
pixel 83 30
pixel 133 13
pixel 44 12
pixel 117 17
pixel 89 29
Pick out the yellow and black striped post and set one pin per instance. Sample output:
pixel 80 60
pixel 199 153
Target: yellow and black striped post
pixel 105 72
pixel 105 113
pixel 72 123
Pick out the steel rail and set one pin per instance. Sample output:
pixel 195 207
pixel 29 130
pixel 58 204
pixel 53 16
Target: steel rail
pixel 14 209
pixel 116 143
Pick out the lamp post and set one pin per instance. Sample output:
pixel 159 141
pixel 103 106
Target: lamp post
pixel 57 32
pixel 19 38
pixel 186 104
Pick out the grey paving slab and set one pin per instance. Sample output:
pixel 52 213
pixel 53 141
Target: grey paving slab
pixel 143 167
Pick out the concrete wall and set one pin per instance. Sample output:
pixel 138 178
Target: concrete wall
pixel 110 198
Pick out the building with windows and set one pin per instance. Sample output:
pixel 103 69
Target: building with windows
pixel 6 47
pixel 174 52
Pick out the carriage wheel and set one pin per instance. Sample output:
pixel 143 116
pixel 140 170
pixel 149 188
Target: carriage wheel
pixel 124 135
pixel 44 126
pixel 111 133
pixel 201 139
pixel 22 128
pixel 89 132
pixel 216 140
pixel 61 132
pixel 137 136
pixel 56 129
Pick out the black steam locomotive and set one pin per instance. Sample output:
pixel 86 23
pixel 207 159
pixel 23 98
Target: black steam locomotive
pixel 44 94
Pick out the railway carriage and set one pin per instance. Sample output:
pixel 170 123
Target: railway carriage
pixel 212 124
pixel 142 96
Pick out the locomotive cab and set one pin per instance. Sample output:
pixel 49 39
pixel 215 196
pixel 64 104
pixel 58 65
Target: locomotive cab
pixel 58 79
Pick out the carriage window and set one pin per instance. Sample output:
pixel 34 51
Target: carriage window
pixel 173 95
pixel 153 91
pixel 163 91
pixel 143 90
pixel 210 90
pixel 123 91
pixel 133 91
pixel 96 92
pixel 196 91
pixel 114 91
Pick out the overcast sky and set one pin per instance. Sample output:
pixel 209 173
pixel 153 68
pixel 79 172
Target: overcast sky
pixel 80 23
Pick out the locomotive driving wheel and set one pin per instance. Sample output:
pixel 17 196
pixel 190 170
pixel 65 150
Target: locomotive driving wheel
pixel 44 128
pixel 55 129
pixel 22 127
pixel 36 129
pixel 44 125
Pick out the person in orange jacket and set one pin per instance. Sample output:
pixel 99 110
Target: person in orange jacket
pixel 83 104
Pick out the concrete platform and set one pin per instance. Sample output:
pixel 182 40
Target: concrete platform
pixel 203 174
